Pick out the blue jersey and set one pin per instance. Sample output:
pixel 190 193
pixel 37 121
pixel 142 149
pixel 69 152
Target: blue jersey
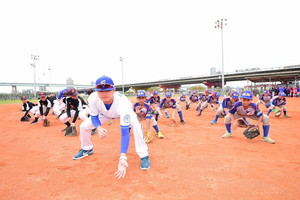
pixel 252 110
pixel 278 102
pixel 194 98
pixel 165 104
pixel 154 100
pixel 145 111
pixel 182 98
pixel 211 99
pixel 265 98
pixel 226 103
pixel 203 97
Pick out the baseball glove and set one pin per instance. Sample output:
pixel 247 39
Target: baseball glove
pixel 148 137
pixel 251 132
pixel 46 123
pixel 277 113
pixel 24 119
pixel 71 131
pixel 172 123
pixel 241 123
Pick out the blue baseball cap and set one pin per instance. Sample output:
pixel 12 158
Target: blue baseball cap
pixel 168 94
pixel 215 94
pixel 247 95
pixel 141 93
pixel 234 95
pixel 266 92
pixel 154 92
pixel 281 94
pixel 104 83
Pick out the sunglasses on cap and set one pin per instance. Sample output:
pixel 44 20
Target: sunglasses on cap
pixel 104 86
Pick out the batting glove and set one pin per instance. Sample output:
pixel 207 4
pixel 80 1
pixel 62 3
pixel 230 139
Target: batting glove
pixel 122 166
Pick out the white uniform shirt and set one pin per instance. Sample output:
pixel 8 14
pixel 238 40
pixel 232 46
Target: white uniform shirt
pixel 121 108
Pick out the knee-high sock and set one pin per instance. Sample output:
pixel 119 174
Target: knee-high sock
pixel 180 115
pixel 266 130
pixel 228 127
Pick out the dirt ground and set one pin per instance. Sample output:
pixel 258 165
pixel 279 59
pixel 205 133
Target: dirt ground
pixel 191 162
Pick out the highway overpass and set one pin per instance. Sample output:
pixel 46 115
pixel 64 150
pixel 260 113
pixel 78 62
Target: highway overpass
pixel 284 75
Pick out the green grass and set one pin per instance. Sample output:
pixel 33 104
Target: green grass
pixel 16 101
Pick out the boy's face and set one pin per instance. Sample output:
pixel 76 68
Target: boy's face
pixel 233 99
pixel 168 99
pixel 24 101
pixel 141 99
pixel 43 98
pixel 246 102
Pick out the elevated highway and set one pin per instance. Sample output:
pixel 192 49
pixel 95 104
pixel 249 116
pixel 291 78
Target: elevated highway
pixel 284 75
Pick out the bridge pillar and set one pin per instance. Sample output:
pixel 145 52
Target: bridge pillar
pixel 165 87
pixel 14 89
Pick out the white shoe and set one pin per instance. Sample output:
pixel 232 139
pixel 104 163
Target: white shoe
pixel 268 140
pixel 227 135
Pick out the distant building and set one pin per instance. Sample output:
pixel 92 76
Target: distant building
pixel 70 81
pixel 213 71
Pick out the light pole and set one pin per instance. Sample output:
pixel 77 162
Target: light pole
pixel 49 68
pixel 220 24
pixel 34 58
pixel 121 60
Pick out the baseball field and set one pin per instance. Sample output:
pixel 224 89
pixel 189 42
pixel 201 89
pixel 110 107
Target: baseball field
pixel 193 161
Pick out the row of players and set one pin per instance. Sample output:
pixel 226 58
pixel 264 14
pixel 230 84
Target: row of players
pixel 105 104
pixel 69 106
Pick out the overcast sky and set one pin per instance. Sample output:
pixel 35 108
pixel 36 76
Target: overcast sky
pixel 158 39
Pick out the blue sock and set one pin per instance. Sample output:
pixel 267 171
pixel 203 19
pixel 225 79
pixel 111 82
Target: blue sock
pixel 201 111
pixel 180 115
pixel 270 110
pixel 156 128
pixel 217 116
pixel 266 130
pixel 228 127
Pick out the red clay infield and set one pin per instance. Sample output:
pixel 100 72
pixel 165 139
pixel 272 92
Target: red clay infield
pixel 191 162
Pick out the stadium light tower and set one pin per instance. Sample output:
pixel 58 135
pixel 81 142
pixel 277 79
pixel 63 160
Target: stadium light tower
pixel 49 68
pixel 121 60
pixel 34 58
pixel 220 23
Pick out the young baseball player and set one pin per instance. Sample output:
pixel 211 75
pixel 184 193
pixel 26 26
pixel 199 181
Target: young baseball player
pixel 183 99
pixel 59 106
pixel 107 104
pixel 44 106
pixel 143 112
pixel 246 108
pixel 212 101
pixel 227 104
pixel 265 98
pixel 169 102
pixel 154 102
pixel 203 98
pixel 27 107
pixel 193 99
pixel 74 105
pixel 280 102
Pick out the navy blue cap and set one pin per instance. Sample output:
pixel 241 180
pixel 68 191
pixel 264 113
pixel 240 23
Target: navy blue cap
pixel 104 83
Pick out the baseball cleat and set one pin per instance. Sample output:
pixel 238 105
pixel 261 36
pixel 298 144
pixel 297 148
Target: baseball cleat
pixel 227 135
pixel 160 135
pixel 182 122
pixel 213 121
pixel 145 163
pixel 33 122
pixel 268 140
pixel 83 153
